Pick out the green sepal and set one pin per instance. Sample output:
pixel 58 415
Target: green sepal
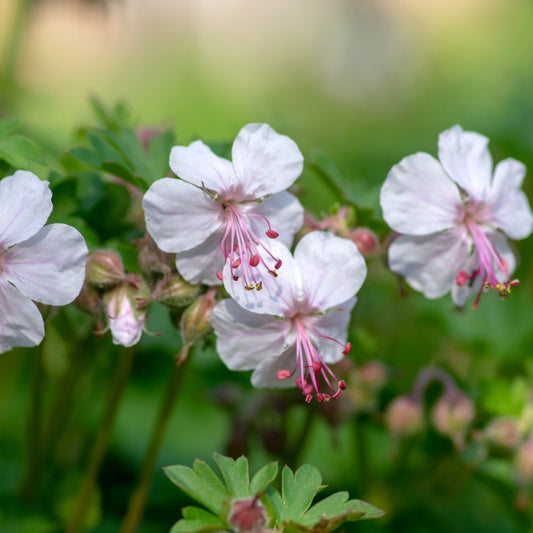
pixel 197 520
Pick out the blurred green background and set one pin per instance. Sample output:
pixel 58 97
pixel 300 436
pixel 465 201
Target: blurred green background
pixel 368 82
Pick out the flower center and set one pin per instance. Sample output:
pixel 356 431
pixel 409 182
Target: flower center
pixel 243 248
pixel 312 367
pixel 488 261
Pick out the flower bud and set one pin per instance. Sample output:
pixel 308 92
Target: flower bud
pixel 125 320
pixel 366 241
pixel 247 515
pixel 174 291
pixel 503 432
pixel 523 463
pixel 453 414
pixel 152 259
pixel 195 321
pixel 404 416
pixel 104 269
pixel 372 373
pixel 89 300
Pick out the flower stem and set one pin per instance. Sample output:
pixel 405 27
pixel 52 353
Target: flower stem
pixel 137 502
pixel 117 387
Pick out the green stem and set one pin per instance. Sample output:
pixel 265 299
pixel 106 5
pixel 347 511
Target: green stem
pixel 137 502
pixel 85 493
pixel 28 484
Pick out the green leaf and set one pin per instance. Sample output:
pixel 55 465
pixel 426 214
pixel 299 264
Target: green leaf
pixel 7 125
pixel 18 151
pixel 197 520
pixel 501 397
pixel 200 483
pixel 263 478
pixel 159 148
pixel 235 474
pixel 369 511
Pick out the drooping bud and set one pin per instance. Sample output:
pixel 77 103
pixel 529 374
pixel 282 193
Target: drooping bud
pixel 174 291
pixel 89 300
pixel 247 515
pixel 152 259
pixel 503 432
pixel 126 322
pixel 404 416
pixel 104 269
pixel 452 415
pixel 196 319
pixel 366 240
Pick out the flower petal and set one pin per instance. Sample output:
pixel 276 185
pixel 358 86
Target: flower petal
pixel 509 206
pixel 179 216
pixel 418 198
pixel 332 270
pixel 265 375
pixel 126 328
pixel 25 205
pixel 244 339
pixel 265 162
pixel 465 157
pixel 198 165
pixel 49 267
pixel 21 324
pixel 430 263
pixel 283 211
pixel 201 263
pixel 279 295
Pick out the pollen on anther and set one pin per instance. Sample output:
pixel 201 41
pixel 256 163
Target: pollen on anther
pixel 342 384
pixel 249 287
pixel 259 286
pixel 273 273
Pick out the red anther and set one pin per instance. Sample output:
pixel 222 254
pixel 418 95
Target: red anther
pixel 300 382
pixel 254 260
pixel 342 384
pixel 219 275
pixel 273 273
pixel 236 263
pixel 235 278
pixel 347 348
pixel 277 266
pixel 309 398
pixel 249 287
pixel 308 389
pixel 272 234
pixel 461 278
pixel 283 374
pixel 514 283
pixel 259 286
pixel 336 395
pixel 317 366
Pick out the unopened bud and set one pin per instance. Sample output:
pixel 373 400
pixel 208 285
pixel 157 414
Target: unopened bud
pixel 453 414
pixel 523 463
pixel 104 269
pixel 366 241
pixel 174 291
pixel 404 416
pixel 152 259
pixel 89 300
pixel 195 321
pixel 372 373
pixel 247 515
pixel 503 432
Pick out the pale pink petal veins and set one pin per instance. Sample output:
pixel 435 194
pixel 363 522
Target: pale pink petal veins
pixel 180 216
pixel 418 197
pixel 198 165
pixel 201 263
pixel 284 213
pixel 49 267
pixel 430 263
pixel 265 162
pixel 465 157
pixel 21 324
pixel 245 339
pixel 25 205
pixel 332 270
pixel 509 207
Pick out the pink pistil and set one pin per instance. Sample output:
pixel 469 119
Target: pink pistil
pixel 242 247
pixel 312 367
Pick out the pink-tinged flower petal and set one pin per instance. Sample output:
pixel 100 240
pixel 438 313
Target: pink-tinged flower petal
pixel 332 270
pixel 333 324
pixel 265 162
pixel 21 324
pixel 460 293
pixel 201 264
pixel 283 211
pixel 418 198
pixel 26 204
pixel 244 339
pixel 465 157
pixel 125 324
pixel 198 165
pixel 430 263
pixel 49 267
pixel 279 295
pixel 179 216
pixel 265 375
pixel 509 206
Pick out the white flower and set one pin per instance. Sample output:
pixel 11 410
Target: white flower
pixel 125 321
pixel 45 264
pixel 220 210
pixel 298 323
pixel 454 216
